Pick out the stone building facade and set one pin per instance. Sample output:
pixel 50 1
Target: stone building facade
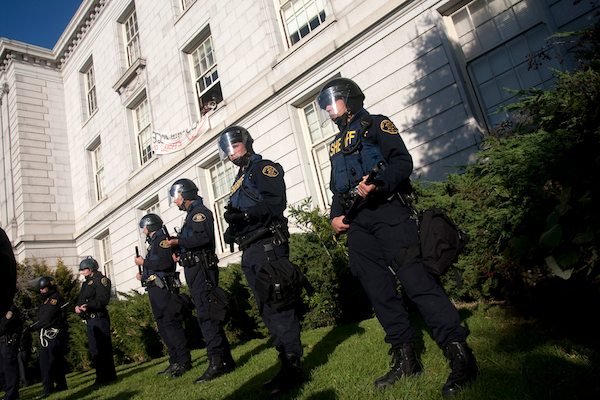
pixel 77 165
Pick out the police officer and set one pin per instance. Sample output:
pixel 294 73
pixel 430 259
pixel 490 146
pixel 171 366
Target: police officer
pixel 11 326
pixel 163 287
pixel 255 216
pixel 91 307
pixel 52 324
pixel 8 269
pixel 383 234
pixel 196 244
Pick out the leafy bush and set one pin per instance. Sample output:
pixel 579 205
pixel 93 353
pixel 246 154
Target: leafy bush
pixel 245 322
pixel 338 296
pixel 529 203
pixel 135 336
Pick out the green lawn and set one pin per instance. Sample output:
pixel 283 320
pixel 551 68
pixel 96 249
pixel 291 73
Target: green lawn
pixel 517 359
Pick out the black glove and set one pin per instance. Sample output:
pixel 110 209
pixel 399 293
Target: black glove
pixel 233 215
pixel 228 237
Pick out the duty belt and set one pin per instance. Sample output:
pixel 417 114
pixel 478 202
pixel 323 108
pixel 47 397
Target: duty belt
pixel 97 314
pixel 170 281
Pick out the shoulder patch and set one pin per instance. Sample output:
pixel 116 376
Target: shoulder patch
pixel 198 218
pixel 164 244
pixel 105 280
pixel 53 302
pixel 388 126
pixel 270 171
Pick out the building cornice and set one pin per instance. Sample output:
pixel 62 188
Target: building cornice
pixel 82 21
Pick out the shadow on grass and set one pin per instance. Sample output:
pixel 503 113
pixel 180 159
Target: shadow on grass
pixel 319 355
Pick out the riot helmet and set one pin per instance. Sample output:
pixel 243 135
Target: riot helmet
pixel 46 282
pixel 152 222
pixel 227 140
pixel 344 90
pixel 184 188
pixel 88 263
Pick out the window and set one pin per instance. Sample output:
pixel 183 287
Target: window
pixel 106 263
pixel 206 76
pixel 132 38
pixel 153 208
pixel 321 133
pixel 222 175
pixel 143 130
pixel 185 4
pixel 300 17
pixel 98 171
pixel 90 90
pixel 497 37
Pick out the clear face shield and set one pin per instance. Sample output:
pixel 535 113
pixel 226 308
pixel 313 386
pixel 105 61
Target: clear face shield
pixel 174 194
pixel 332 103
pixel 230 144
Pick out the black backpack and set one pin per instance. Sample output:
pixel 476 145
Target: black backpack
pixel 279 284
pixel 441 240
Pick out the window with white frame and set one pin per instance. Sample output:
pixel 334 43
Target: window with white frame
pixel 320 132
pixel 132 38
pixel 222 175
pixel 98 171
pixel 153 208
pixel 90 90
pixel 206 75
pixel 185 4
pixel 497 38
pixel 301 17
pixel 106 260
pixel 143 129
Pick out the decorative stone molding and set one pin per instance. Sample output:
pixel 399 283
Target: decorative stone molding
pixel 132 79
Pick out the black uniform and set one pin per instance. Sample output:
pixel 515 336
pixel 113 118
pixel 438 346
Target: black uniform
pixel 8 268
pixel 159 274
pixel 197 244
pixel 11 326
pixel 95 294
pixel 383 229
pixel 53 338
pixel 259 192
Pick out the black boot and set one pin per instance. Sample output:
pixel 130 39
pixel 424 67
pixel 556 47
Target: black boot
pixel 168 370
pixel 217 365
pixel 404 363
pixel 288 377
pixel 180 369
pixel 463 366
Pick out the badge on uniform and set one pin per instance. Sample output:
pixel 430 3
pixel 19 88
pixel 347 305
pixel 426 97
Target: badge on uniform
pixel 199 217
pixel 165 243
pixel 270 171
pixel 388 126
pixel 53 302
pixel 104 281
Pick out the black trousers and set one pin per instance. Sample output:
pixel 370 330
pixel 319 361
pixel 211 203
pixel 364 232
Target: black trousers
pixel 53 364
pixel 171 330
pixel 284 326
pixel 9 365
pixel 212 331
pixel 376 236
pixel 101 350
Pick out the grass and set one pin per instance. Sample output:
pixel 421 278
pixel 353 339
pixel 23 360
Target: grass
pixel 518 359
